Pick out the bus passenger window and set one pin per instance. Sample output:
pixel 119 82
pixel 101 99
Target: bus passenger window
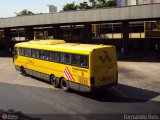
pixel 84 61
pixel 56 57
pixel 27 52
pixel 37 54
pixel 33 53
pixel 66 58
pixel 46 55
pixel 42 54
pixel 50 56
pixel 22 51
pixel 75 59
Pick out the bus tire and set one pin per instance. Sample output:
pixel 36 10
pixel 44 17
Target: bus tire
pixel 64 84
pixel 23 71
pixel 54 81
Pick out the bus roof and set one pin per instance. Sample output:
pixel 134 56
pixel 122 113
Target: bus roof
pixel 62 46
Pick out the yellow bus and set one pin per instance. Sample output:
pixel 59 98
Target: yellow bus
pixel 82 67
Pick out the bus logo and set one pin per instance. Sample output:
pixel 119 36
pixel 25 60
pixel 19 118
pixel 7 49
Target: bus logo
pixel 68 74
pixel 105 57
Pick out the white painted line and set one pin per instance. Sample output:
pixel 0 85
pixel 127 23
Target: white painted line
pixel 121 93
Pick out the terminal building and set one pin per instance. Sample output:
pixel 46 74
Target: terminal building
pixel 134 30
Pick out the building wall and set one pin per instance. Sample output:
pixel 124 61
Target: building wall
pixel 155 1
pixel 51 9
pixel 131 2
pixel 135 2
pixel 147 1
pixel 121 2
pixel 140 2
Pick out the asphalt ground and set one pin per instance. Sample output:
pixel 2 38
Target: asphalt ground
pixel 138 92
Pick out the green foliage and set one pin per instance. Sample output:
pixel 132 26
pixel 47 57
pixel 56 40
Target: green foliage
pixel 24 12
pixel 70 6
pixel 111 3
pixel 103 3
pixel 83 6
pixel 93 4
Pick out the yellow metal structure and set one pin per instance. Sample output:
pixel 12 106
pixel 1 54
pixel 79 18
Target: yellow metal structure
pixel 101 69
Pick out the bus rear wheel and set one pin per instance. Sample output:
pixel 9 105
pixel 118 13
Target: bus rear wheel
pixel 64 85
pixel 54 81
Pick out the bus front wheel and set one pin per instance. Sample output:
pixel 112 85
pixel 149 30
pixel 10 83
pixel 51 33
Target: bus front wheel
pixel 64 85
pixel 23 71
pixel 54 81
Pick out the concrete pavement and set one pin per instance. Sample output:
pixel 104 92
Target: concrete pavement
pixel 136 93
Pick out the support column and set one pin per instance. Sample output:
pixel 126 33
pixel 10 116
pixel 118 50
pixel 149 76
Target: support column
pixel 88 33
pixel 8 41
pixel 71 33
pixel 57 32
pixel 125 44
pixel 29 33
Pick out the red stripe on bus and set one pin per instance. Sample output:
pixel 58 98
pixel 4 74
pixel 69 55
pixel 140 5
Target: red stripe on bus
pixel 68 74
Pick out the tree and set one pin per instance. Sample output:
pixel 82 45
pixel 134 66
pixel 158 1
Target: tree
pixel 84 6
pixel 70 6
pixel 102 2
pixel 93 3
pixel 111 3
pixel 24 12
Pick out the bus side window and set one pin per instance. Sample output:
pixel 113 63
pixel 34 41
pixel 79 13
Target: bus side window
pixel 84 61
pixel 56 56
pixel 62 57
pixel 75 59
pixel 65 58
pixel 42 54
pixel 33 53
pixel 50 55
pixel 22 51
pixel 46 55
pixel 37 54
pixel 27 52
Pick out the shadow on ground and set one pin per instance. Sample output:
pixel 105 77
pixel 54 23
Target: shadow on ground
pixel 120 94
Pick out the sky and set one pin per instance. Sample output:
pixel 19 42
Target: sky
pixel 9 7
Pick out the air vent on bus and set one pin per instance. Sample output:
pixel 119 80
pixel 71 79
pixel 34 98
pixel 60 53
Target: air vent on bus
pixel 47 42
